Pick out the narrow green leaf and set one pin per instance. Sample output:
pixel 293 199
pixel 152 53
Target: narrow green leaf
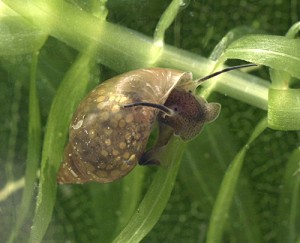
pixel 105 200
pixel 166 20
pixel 132 186
pixel 114 203
pixel 70 91
pixel 284 109
pixel 277 52
pixel 227 189
pixel 154 202
pixel 131 49
pixel 279 78
pixel 293 31
pixel 34 150
pixel 230 37
pixel 18 37
pixel 207 156
pixel 289 212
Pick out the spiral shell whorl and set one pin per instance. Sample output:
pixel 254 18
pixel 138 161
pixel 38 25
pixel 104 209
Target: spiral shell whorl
pixel 106 140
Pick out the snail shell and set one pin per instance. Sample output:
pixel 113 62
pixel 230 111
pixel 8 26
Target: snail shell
pixel 110 129
pixel 106 140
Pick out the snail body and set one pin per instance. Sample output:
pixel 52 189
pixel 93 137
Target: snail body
pixel 111 126
pixel 107 140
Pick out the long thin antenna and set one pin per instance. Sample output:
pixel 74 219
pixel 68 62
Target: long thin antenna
pixel 224 71
pixel 163 108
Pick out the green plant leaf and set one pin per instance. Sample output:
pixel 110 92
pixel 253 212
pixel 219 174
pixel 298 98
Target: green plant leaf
pixel 211 158
pixel 131 195
pixel 154 202
pixel 92 213
pixel 284 109
pixel 34 150
pixel 227 189
pixel 230 37
pixel 289 213
pixel 277 52
pixel 166 20
pixel 18 37
pixel 293 31
pixel 122 49
pixel 70 91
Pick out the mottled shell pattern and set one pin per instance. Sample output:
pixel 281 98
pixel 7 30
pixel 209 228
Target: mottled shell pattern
pixel 107 140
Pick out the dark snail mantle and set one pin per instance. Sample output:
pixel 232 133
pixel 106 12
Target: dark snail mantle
pixel 111 126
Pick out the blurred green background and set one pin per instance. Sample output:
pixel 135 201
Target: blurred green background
pixel 257 214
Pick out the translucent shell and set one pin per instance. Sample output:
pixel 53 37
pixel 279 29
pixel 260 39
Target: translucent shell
pixel 106 140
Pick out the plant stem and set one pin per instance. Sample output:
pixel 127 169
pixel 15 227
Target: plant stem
pixel 122 49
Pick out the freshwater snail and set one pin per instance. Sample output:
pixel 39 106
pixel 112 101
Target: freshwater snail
pixel 111 126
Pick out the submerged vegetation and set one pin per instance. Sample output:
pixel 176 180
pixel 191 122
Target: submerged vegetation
pixel 236 182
